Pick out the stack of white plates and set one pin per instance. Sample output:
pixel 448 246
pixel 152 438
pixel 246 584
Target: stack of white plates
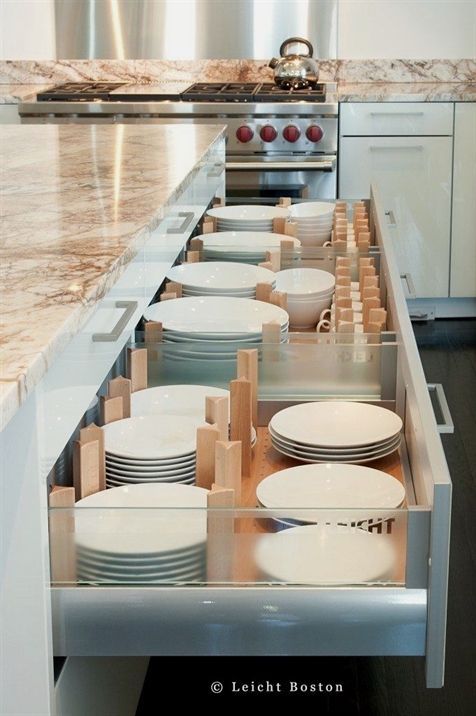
pixel 309 292
pixel 151 448
pixel 314 221
pixel 187 400
pixel 247 217
pixel 213 326
pixel 333 431
pixel 244 246
pixel 138 545
pixel 329 487
pixel 316 554
pixel 220 278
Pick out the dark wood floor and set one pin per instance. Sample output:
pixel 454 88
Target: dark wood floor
pixel 378 686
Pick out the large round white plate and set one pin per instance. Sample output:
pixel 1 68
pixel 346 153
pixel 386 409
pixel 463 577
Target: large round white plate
pixel 248 212
pixel 115 473
pixel 175 400
pixel 315 554
pixel 220 275
pixel 305 282
pixel 186 562
pixel 373 447
pixel 195 552
pixel 204 292
pixel 142 531
pixel 331 486
pixel 180 463
pixel 311 210
pixel 152 437
pixel 342 459
pixel 102 577
pixel 215 314
pixel 336 424
pixel 246 241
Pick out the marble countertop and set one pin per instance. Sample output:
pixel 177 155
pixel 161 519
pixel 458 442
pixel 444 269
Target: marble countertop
pixel 16 93
pixel 78 202
pixel 406 91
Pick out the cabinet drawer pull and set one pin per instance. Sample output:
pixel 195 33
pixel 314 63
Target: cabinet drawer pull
pixel 115 333
pixel 391 217
pixel 447 426
pixel 217 170
pixel 395 147
pixel 407 277
pixel 396 114
pixel 187 220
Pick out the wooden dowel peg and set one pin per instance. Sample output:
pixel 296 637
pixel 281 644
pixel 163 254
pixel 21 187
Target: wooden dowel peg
pixel 365 271
pixel 364 236
pixel 368 305
pixel 207 435
pixel 196 244
pixel 137 368
pixel 286 245
pixel 343 302
pixel 343 292
pixel 209 225
pixel 369 282
pixel 279 225
pixel 61 529
pixel 174 287
pixel 247 367
pixel 121 387
pixel 366 261
pixel 343 262
pixel 271 332
pixel 217 411
pixel 279 298
pixel 111 409
pixel 228 467
pixel 284 201
pixel 370 293
pixel 92 433
pixel 339 245
pixel 167 296
pixel 240 419
pixel 218 201
pixel 378 315
pixel 153 332
pixel 274 258
pixel 85 468
pixel 220 534
pixel 193 257
pixel 290 228
pixel 263 291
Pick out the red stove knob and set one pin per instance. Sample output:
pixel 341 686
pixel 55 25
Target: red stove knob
pixel 291 133
pixel 268 133
pixel 314 133
pixel 244 134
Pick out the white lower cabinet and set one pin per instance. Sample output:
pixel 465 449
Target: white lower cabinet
pixel 414 176
pixel 463 247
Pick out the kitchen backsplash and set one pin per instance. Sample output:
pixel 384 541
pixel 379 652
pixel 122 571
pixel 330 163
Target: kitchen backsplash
pixel 145 71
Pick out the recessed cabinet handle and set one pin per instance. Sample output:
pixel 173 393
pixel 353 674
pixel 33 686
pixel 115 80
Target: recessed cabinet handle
pixel 115 333
pixel 217 170
pixel 411 290
pixel 396 114
pixel 447 426
pixel 395 147
pixel 391 217
pixel 187 220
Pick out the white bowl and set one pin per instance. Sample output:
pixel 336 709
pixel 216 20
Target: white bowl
pixel 304 314
pixel 248 212
pixel 298 282
pixel 313 240
pixel 311 210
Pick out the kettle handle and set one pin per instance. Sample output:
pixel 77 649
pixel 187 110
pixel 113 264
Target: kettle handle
pixel 301 40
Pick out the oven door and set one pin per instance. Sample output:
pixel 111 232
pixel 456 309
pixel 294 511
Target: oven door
pixel 262 180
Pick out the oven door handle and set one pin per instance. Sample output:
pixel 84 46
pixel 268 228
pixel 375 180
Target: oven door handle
pixel 324 165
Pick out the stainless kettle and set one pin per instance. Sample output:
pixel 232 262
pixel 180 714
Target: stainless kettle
pixel 293 70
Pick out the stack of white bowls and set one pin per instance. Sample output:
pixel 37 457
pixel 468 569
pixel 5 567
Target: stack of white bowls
pixel 313 221
pixel 334 431
pixel 309 292
pixel 213 327
pixel 151 448
pixel 158 538
pixel 248 247
pixel 247 217
pixel 220 278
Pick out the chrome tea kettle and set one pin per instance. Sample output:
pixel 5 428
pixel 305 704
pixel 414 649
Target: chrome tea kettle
pixel 293 70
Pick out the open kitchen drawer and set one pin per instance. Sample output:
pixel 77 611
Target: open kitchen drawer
pixel 233 606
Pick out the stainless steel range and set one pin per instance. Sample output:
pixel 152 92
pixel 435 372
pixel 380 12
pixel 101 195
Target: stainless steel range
pixel 280 141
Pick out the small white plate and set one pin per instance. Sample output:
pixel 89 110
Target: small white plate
pixel 326 556
pixel 248 212
pixel 245 241
pixel 152 437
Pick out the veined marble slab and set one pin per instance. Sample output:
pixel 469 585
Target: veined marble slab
pixel 15 93
pixel 407 92
pixel 78 202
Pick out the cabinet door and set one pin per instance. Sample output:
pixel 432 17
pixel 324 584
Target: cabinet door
pixel 414 175
pixel 463 242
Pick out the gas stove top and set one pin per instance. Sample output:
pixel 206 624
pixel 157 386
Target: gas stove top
pixel 198 92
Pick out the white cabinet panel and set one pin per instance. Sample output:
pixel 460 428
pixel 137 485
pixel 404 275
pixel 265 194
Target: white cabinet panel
pixel 9 114
pixel 463 243
pixel 395 118
pixel 414 174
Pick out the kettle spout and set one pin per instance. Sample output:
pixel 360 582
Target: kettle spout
pixel 273 62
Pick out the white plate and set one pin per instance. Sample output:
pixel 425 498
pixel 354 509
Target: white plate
pixel 215 314
pixel 194 554
pixel 248 212
pixel 246 241
pixel 152 437
pixel 311 210
pixel 144 475
pixel 118 482
pixel 373 447
pixel 109 578
pixel 178 463
pixel 175 400
pixel 220 275
pixel 305 281
pixel 204 292
pixel 142 531
pixel 303 457
pixel 326 556
pixel 186 562
pixel 336 424
pixel 331 486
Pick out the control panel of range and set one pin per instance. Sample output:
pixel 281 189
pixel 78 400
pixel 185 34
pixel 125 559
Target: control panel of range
pixel 281 134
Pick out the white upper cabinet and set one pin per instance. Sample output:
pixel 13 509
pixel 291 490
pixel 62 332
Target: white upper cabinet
pixel 463 251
